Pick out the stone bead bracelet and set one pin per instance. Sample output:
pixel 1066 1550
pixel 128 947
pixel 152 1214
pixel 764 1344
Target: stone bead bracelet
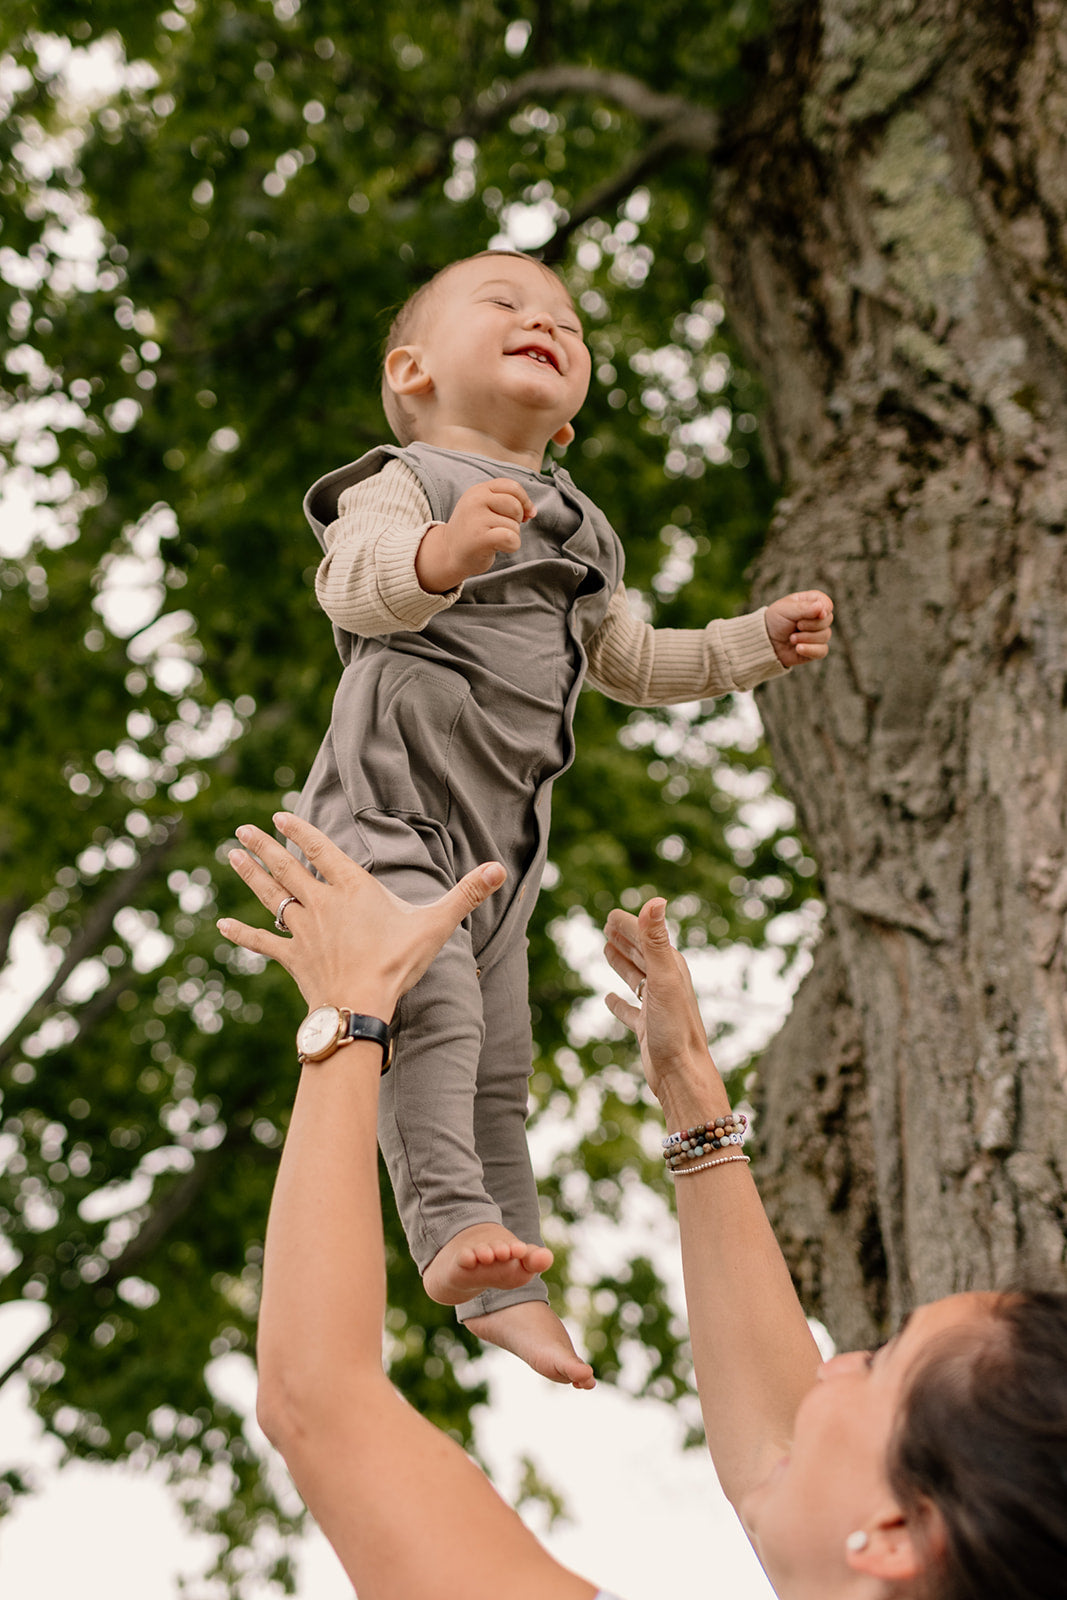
pixel 689 1144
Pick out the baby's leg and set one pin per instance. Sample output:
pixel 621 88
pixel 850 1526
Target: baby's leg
pixel 519 1319
pixel 426 1110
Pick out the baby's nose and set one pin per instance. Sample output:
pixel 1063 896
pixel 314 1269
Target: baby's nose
pixel 541 319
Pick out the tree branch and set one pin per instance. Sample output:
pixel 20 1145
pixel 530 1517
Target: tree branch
pixel 88 937
pixel 175 1203
pixel 10 912
pixel 632 94
pixel 32 1348
pixel 162 1217
pixel 692 126
pixel 606 195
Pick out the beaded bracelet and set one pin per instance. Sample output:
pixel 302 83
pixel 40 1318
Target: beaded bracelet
pixel 691 1143
pixel 733 1120
pixel 720 1161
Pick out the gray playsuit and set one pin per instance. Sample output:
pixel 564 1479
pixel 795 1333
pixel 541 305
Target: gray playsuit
pixel 442 750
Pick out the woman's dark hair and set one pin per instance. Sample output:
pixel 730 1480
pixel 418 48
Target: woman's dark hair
pixel 983 1438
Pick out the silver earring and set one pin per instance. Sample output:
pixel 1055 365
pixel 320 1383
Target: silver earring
pixel 857 1541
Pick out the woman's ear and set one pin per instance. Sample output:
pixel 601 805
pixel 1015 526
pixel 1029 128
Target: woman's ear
pixel 404 372
pixel 563 436
pixel 898 1549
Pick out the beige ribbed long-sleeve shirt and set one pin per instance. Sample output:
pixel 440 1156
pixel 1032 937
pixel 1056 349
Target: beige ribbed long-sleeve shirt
pixel 366 584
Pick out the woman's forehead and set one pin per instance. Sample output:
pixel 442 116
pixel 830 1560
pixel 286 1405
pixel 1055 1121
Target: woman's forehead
pixel 956 1313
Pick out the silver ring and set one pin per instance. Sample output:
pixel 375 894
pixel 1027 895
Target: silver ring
pixel 279 915
pixel 639 991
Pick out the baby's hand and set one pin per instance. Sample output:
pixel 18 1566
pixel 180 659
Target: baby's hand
pixel 799 626
pixel 487 519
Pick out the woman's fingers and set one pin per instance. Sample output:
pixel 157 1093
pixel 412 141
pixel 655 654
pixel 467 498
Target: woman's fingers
pixel 640 948
pixel 271 945
pixel 266 888
pixel 329 862
pixel 621 927
pixel 623 944
pixel 624 963
pixel 282 872
pixel 277 875
pixel 628 1014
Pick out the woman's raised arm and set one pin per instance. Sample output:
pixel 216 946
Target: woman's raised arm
pixel 407 1512
pixel 754 1354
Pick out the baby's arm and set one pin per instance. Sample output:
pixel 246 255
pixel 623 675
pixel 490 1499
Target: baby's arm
pixel 390 566
pixel 645 666
pixel 366 582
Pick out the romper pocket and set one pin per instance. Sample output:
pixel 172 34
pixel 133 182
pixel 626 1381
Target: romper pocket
pixel 394 728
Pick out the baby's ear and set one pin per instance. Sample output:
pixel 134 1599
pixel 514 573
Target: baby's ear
pixel 563 436
pixel 404 372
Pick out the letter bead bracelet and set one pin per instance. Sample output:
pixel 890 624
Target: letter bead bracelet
pixel 682 1149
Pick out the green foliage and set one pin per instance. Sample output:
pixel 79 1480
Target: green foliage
pixel 533 1490
pixel 268 182
pixel 13 1484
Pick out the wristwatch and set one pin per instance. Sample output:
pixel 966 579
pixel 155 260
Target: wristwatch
pixel 327 1028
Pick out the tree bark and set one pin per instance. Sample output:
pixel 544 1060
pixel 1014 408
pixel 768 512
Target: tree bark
pixel 890 230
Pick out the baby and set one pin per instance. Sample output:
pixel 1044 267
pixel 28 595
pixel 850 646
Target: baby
pixel 471 593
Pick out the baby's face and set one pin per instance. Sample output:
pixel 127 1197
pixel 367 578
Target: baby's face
pixel 503 344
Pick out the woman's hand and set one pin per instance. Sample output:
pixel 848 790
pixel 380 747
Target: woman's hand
pixel 668 1025
pixel 354 943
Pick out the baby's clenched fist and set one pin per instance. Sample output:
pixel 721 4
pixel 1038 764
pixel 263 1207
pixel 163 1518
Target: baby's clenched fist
pixel 799 626
pixel 487 519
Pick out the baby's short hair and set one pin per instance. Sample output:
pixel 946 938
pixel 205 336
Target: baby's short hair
pixel 406 320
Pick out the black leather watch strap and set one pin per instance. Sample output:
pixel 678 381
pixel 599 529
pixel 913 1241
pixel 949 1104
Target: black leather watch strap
pixel 360 1027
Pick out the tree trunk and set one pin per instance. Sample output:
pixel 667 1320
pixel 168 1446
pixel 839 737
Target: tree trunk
pixel 890 230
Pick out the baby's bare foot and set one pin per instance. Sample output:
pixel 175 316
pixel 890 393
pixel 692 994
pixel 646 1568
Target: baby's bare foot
pixel 532 1331
pixel 485 1256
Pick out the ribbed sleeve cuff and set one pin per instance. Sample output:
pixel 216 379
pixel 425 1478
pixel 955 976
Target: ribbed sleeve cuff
pixel 398 588
pixel 747 648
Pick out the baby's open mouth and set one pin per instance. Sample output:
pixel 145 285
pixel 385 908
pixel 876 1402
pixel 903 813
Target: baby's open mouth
pixel 536 354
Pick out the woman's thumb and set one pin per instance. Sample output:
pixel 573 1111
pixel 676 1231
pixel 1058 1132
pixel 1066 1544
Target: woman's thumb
pixel 477 886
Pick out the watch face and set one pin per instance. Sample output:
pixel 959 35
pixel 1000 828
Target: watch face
pixel 318 1031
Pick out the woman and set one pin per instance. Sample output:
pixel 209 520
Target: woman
pixel 934 1468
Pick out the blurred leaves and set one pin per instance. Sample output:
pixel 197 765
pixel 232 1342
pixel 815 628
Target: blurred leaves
pixel 209 214
pixel 533 1490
